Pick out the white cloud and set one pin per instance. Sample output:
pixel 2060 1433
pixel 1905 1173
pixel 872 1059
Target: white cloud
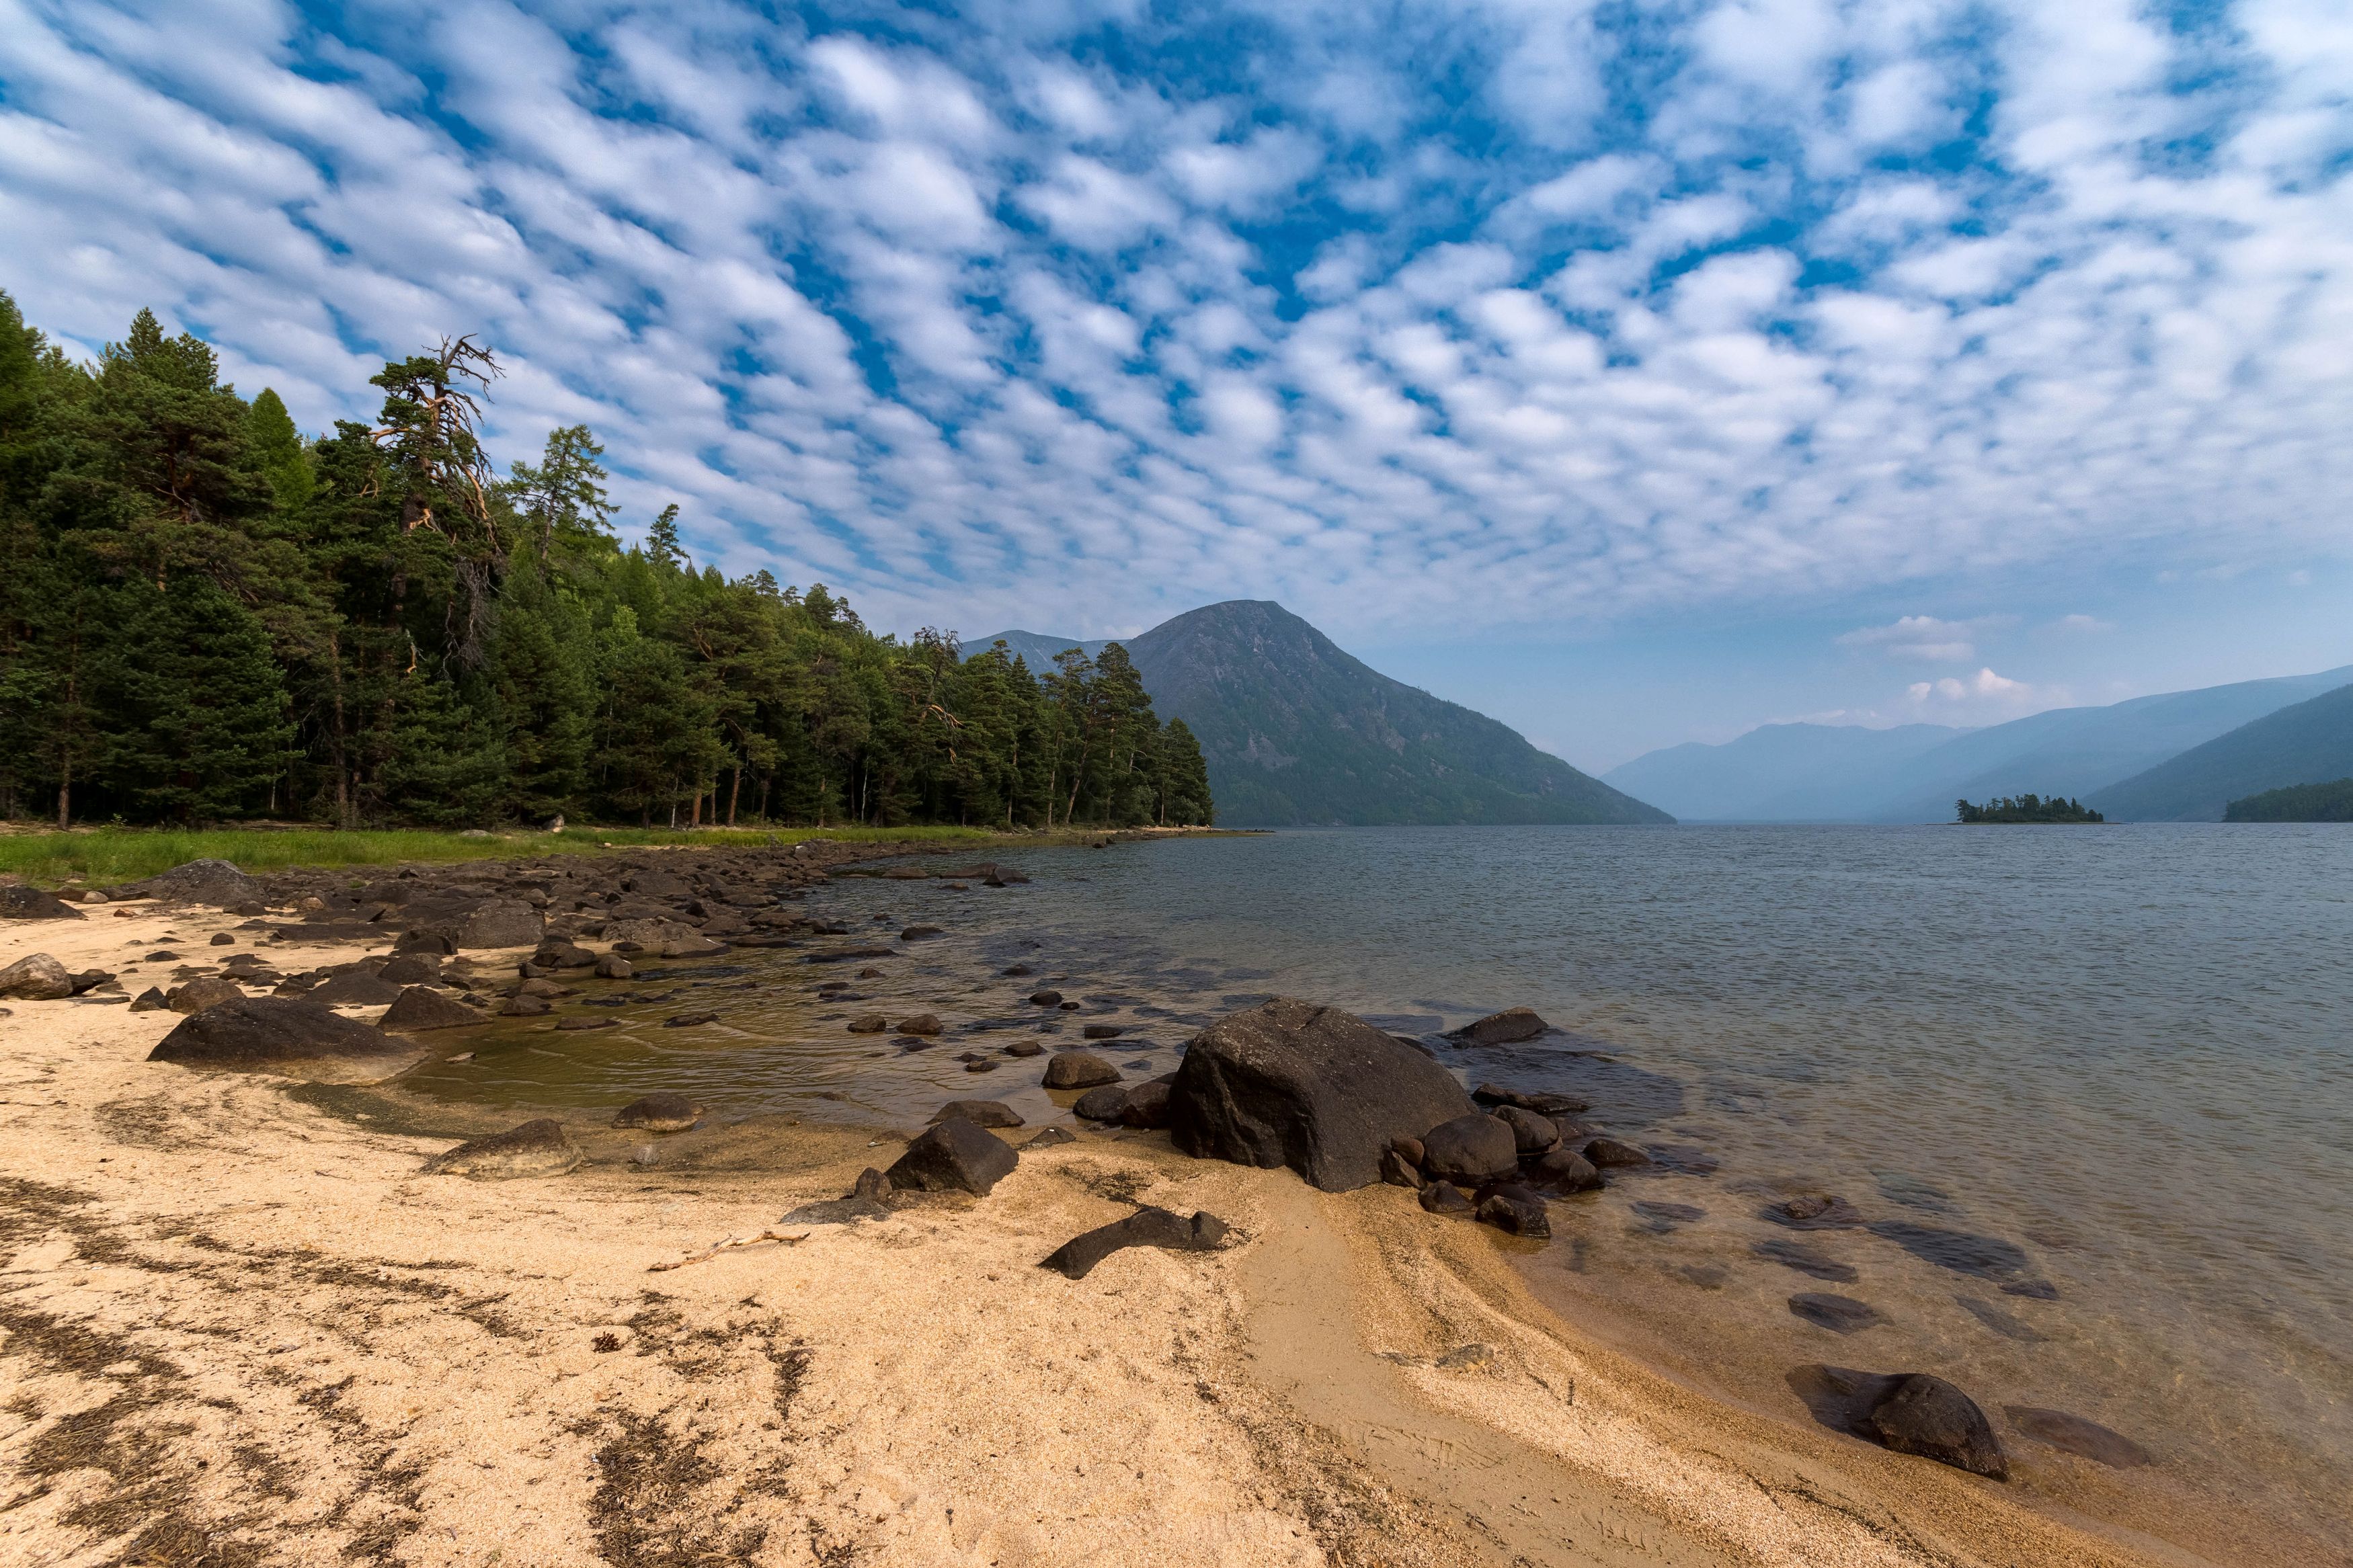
pixel 1925 637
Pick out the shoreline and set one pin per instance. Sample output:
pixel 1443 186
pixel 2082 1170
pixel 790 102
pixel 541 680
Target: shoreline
pixel 405 1365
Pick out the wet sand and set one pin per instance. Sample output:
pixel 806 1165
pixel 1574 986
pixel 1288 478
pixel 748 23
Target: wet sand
pixel 241 1327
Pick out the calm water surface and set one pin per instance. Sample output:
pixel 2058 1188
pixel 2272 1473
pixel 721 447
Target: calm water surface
pixel 2124 1052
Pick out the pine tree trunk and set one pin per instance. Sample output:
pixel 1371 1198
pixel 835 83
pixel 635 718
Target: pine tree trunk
pixel 65 751
pixel 734 794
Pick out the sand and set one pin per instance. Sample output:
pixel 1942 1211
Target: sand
pixel 241 1327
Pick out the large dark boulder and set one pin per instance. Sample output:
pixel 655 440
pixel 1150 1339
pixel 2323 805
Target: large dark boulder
pixel 1078 1070
pixel 1145 1228
pixel 1148 1104
pixel 355 988
pixel 979 1112
pixel 1471 1150
pixel 207 991
pixel 500 923
pixel 214 882
pixel 661 1112
pixel 1534 1133
pixel 420 1008
pixel 1292 1083
pixel 292 1035
pixel 540 1148
pixel 20 903
pixel 1912 1412
pixel 1516 1210
pixel 1563 1169
pixel 955 1156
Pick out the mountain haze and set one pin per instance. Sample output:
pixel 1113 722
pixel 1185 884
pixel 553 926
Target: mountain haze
pixel 1036 649
pixel 2309 742
pixel 1777 773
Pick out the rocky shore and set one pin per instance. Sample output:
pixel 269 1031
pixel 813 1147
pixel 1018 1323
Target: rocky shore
pixel 1259 1310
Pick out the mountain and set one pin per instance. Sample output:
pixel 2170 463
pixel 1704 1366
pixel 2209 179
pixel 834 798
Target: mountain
pixel 2074 752
pixel 1299 733
pixel 1776 772
pixel 2309 742
pixel 1037 649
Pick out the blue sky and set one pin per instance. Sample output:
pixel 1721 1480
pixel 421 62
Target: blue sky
pixel 1634 372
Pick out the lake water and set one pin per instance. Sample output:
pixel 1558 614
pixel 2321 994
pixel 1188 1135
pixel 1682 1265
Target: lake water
pixel 2123 1055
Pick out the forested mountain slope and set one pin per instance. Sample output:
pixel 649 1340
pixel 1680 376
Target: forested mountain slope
pixel 2310 742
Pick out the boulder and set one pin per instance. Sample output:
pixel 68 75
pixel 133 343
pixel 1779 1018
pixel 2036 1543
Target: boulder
pixel 1928 1416
pixel 1108 1103
pixel 1609 1154
pixel 1400 1172
pixel 1024 1048
pixel 2075 1435
pixel 563 955
pixel 198 995
pixel 419 1008
pixel 869 1024
pixel 920 1023
pixel 525 1006
pixel 1292 1083
pixel 656 885
pixel 1504 1029
pixel 540 1148
pixel 223 939
pixel 918 933
pixel 411 969
pixel 955 1156
pixel 214 882
pixel 1543 1103
pixel 1145 1228
pixel 1533 1133
pixel 1078 1070
pixel 1515 1210
pixel 149 1001
pixel 1445 1198
pixel 1470 1151
pixel 500 923
pixel 37 978
pixel 1148 1104
pixel 690 1020
pixel 979 1112
pixel 1101 1031
pixel 577 1026
pixel 1563 1169
pixel 355 988
pixel 292 1035
pixel 21 904
pixel 1051 1138
pixel 1046 998
pixel 659 1112
pixel 423 939
pixel 1840 1314
pixel 612 966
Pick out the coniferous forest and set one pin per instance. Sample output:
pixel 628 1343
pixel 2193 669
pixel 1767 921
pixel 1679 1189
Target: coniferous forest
pixel 205 617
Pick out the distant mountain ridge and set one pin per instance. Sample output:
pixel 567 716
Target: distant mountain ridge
pixel 2309 742
pixel 1036 649
pixel 1297 732
pixel 1796 772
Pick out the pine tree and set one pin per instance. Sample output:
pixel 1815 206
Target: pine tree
pixel 193 710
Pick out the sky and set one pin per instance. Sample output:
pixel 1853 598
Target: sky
pixel 1634 372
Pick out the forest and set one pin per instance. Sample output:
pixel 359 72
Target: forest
pixel 207 617
pixel 2331 801
pixel 2026 808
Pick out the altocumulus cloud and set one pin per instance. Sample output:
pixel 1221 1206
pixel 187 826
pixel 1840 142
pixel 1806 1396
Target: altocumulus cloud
pixel 1503 311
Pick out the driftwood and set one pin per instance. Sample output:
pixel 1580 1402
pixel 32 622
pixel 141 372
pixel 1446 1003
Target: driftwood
pixel 714 1250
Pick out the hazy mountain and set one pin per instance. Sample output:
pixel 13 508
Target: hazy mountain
pixel 1298 733
pixel 2308 742
pixel 2066 752
pixel 1037 649
pixel 1777 773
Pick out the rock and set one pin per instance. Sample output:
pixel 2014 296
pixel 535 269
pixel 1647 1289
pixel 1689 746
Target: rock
pixel 955 1155
pixel 411 969
pixel 2075 1435
pixel 1507 1027
pixel 2002 1322
pixel 1411 1149
pixel 1516 1211
pixel 420 1008
pixel 1532 1133
pixel 982 1065
pixel 525 1006
pixel 1840 1314
pixel 500 923
pixel 1563 1169
pixel 421 940
pixel 21 904
pixel 1148 1104
pixel 1016 972
pixel 1051 1138
pixel 869 1024
pixel 1987 1257
pixel 1024 1048
pixel 1445 1198
pixel 214 882
pixel 576 1026
pixel 1046 998
pixel 1101 1031
pixel 690 1020
pixel 222 938
pixel 1145 1228
pixel 1609 1154
pixel 1290 1083
pixel 979 1112
pixel 920 1023
pixel 1108 1103
pixel 355 988
pixel 870 973
pixel 149 1001
pixel 563 955
pixel 1664 1217
pixel 1928 1416
pixel 1543 1103
pixel 1805 1259
pixel 1400 1172
pixel 920 933
pixel 1078 1070
pixel 38 977
pixel 1470 1151
pixel 292 1035
pixel 547 989
pixel 1815 1211
pixel 872 1185
pixel 198 995
pixel 659 1112
pixel 540 1148
pixel 612 966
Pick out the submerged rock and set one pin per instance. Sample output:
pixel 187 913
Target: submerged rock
pixel 1928 1416
pixel 540 1148
pixel 292 1035
pixel 1815 1211
pixel 2002 1322
pixel 869 1024
pixel 955 1156
pixel 1543 1103
pixel 1145 1228
pixel 1609 1154
pixel 659 1112
pixel 688 1020
pixel 1292 1083
pixel 2075 1435
pixel 1840 1314
pixel 1509 1027
pixel 1961 1251
pixel 1805 1259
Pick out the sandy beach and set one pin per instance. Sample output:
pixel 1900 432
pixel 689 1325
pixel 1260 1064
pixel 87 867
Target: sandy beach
pixel 242 1327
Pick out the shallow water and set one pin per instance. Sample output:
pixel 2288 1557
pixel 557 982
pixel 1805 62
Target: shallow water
pixel 2090 1088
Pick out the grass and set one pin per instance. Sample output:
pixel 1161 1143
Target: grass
pixel 102 855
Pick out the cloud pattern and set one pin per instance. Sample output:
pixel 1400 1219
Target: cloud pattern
pixel 1496 313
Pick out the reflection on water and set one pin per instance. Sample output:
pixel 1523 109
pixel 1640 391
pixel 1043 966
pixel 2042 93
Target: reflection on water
pixel 2090 1092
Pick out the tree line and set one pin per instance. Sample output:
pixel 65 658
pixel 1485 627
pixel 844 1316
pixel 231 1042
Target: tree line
pixel 206 616
pixel 2026 808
